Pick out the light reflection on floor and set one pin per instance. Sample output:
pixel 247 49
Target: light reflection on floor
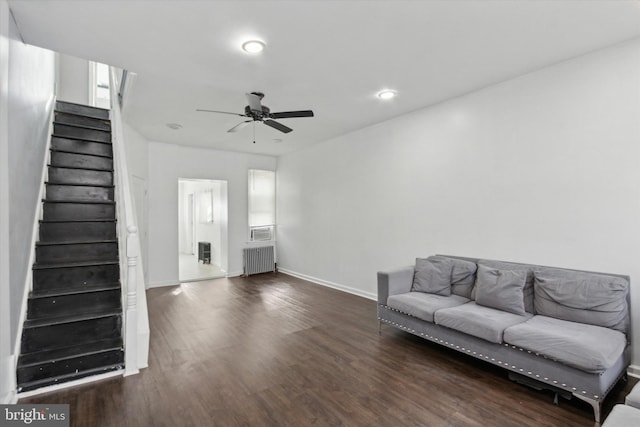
pixel 191 269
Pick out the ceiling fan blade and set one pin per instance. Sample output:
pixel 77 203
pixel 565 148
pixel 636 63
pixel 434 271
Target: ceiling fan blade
pixel 291 114
pixel 222 112
pixel 239 126
pixel 278 126
pixel 254 102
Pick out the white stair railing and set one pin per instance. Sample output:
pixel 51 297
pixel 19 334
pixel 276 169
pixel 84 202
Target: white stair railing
pixel 136 329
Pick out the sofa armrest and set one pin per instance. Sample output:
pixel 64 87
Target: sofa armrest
pixel 393 282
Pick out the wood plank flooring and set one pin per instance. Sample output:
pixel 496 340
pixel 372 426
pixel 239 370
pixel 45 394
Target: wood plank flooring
pixel 273 350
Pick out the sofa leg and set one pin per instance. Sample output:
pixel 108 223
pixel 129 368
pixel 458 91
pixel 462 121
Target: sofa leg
pixel 593 402
pixel 379 327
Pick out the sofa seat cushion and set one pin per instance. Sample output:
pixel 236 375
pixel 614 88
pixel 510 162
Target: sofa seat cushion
pixel 622 416
pixel 586 347
pixel 633 398
pixel 482 322
pixel 423 305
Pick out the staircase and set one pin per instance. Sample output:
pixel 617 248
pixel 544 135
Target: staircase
pixel 73 327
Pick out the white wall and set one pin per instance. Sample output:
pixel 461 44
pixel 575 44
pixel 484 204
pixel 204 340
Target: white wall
pixel 541 169
pixel 26 99
pixel 6 363
pixel 167 163
pixel 73 79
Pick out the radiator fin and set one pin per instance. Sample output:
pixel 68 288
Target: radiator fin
pixel 259 260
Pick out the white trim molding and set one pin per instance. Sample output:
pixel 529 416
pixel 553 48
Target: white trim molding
pixel 338 286
pixel 633 371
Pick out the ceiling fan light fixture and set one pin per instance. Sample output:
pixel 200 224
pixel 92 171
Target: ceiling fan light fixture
pixel 387 94
pixel 253 46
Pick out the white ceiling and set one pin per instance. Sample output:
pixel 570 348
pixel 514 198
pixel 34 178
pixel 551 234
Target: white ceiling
pixel 328 56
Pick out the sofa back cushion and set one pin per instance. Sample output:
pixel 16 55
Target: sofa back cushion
pixel 527 291
pixel 595 299
pixel 463 276
pixel 433 275
pixel 501 289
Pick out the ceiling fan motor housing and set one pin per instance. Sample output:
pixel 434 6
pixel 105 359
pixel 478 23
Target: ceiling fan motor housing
pixel 257 115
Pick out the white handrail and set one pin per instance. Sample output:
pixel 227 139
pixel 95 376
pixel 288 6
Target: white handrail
pixel 127 232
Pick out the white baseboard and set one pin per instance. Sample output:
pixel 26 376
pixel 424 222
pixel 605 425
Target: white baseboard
pixel 338 286
pixel 633 371
pixel 235 273
pixel 162 283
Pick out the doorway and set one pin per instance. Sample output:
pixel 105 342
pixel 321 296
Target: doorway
pixel 202 229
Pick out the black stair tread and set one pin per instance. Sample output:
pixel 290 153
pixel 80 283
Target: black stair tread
pixel 49 321
pixel 80 185
pixel 57 292
pixel 55 135
pixel 43 266
pixel 79 242
pixel 90 107
pixel 58 354
pixel 54 221
pixel 75 138
pixel 69 377
pixel 77 118
pixel 76 125
pixel 78 220
pixel 57 150
pixel 81 201
pixel 81 168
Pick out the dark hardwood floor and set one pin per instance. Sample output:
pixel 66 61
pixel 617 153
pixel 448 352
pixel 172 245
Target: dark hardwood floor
pixel 273 350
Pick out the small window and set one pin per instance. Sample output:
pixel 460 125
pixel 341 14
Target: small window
pixel 99 82
pixel 262 205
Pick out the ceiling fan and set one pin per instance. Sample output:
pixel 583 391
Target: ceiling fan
pixel 256 112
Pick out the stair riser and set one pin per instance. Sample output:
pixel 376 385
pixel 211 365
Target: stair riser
pixel 67 131
pixel 82 110
pixel 73 304
pixel 66 334
pixel 77 252
pixel 68 366
pixel 78 211
pixel 81 147
pixel 74 119
pixel 75 277
pixel 79 176
pixel 77 231
pixel 78 192
pixel 72 160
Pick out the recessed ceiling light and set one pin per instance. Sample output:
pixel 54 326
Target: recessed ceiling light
pixel 387 94
pixel 253 46
pixel 174 126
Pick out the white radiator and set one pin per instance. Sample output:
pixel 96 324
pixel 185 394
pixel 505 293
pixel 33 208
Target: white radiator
pixel 259 260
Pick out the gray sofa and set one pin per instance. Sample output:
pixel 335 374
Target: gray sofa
pixel 561 329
